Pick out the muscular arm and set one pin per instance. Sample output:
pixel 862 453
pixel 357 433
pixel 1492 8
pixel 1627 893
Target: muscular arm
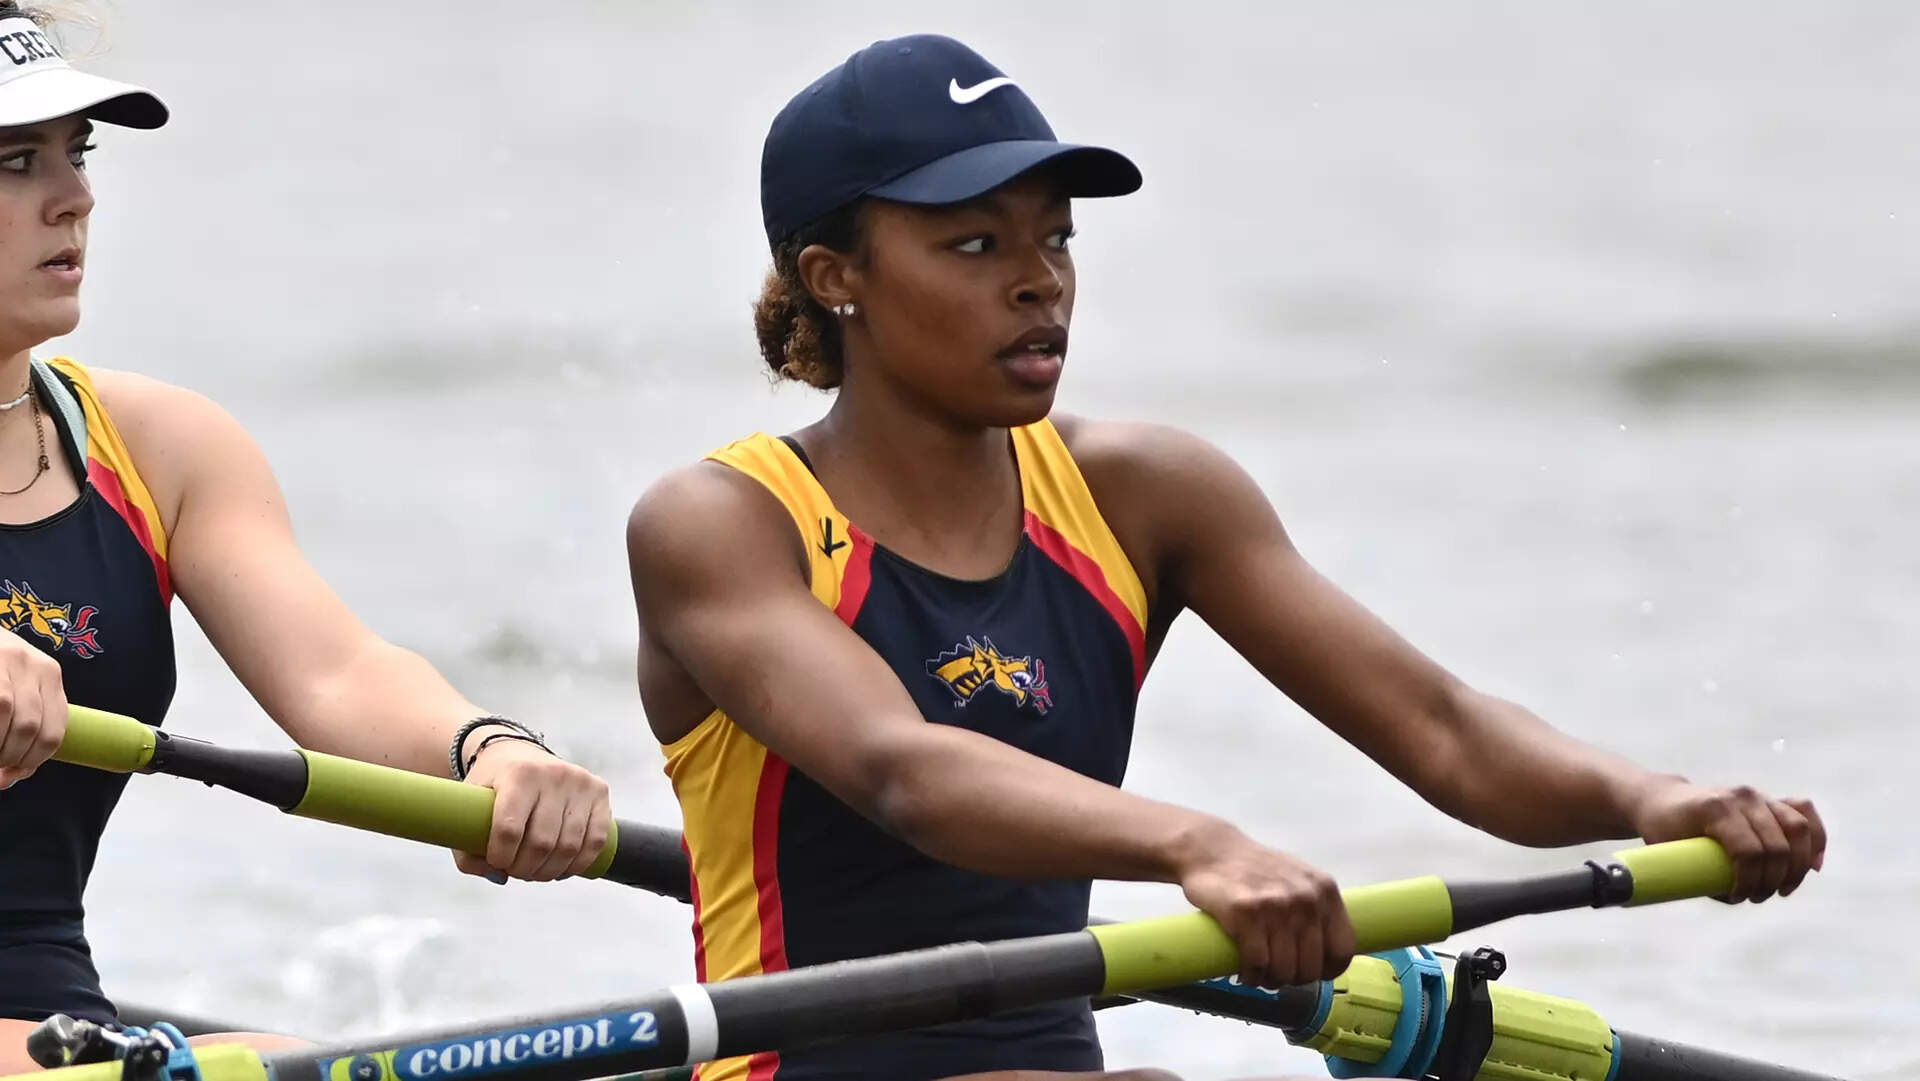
pixel 319 672
pixel 1221 550
pixel 315 668
pixel 720 590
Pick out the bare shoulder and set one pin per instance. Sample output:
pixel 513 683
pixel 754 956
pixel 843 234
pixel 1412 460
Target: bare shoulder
pixel 156 416
pixel 172 432
pixel 704 543
pixel 705 515
pixel 1171 497
pixel 131 392
pixel 1119 453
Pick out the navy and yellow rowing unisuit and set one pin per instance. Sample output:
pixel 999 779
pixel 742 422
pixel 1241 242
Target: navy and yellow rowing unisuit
pixel 87 584
pixel 1047 656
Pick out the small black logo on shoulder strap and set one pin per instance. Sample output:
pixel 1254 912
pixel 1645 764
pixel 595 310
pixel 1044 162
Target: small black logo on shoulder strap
pixel 828 545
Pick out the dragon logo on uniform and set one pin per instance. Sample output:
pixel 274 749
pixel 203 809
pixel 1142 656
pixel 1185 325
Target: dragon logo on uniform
pixel 976 664
pixel 21 608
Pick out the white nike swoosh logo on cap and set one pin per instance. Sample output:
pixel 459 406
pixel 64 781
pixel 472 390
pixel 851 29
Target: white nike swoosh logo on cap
pixel 967 95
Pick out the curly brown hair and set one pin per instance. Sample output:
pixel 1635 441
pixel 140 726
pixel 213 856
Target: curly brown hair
pixel 799 337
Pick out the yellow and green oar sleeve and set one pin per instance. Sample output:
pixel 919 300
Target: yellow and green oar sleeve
pixel 451 814
pixel 106 741
pixel 1536 1037
pixel 344 791
pixel 1676 870
pixel 1168 950
pixel 433 810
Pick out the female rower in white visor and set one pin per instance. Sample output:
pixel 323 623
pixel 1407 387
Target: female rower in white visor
pixel 116 492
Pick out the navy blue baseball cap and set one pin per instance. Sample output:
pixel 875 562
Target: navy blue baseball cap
pixel 920 119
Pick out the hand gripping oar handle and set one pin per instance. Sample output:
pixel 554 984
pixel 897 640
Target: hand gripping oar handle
pixel 454 815
pixel 1169 950
pixel 379 799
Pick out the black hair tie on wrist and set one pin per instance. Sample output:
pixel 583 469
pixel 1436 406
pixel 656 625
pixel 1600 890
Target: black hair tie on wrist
pixel 496 736
pixel 459 768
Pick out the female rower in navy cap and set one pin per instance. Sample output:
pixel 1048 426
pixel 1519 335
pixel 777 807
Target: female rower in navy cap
pixel 938 548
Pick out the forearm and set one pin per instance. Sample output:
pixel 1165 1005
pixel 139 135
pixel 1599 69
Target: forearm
pixel 971 801
pixel 1520 779
pixel 383 704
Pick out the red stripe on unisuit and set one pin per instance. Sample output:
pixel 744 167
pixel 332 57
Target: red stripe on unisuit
pixel 766 877
pixel 107 483
pixel 766 863
pixel 858 576
pixel 1086 570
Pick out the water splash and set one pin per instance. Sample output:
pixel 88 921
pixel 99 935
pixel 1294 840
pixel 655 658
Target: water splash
pixel 367 974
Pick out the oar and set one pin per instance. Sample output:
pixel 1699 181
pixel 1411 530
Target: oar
pixel 1363 1015
pixel 380 799
pixel 450 814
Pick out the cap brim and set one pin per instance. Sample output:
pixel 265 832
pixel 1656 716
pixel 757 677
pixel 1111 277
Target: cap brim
pixel 1084 171
pixel 55 92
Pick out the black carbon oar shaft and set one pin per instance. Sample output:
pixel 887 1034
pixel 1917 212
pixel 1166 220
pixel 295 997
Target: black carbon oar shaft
pixel 1648 1058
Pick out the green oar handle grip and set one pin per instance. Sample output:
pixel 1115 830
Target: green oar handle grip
pixel 106 741
pixel 454 815
pixel 1677 870
pixel 381 799
pixel 396 802
pixel 1145 954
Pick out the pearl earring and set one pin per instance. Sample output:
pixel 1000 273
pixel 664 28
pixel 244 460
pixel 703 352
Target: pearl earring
pixel 848 310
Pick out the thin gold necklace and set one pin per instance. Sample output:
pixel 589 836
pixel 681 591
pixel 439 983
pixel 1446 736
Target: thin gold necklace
pixel 40 432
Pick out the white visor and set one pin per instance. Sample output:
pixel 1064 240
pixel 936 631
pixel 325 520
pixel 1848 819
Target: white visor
pixel 37 85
